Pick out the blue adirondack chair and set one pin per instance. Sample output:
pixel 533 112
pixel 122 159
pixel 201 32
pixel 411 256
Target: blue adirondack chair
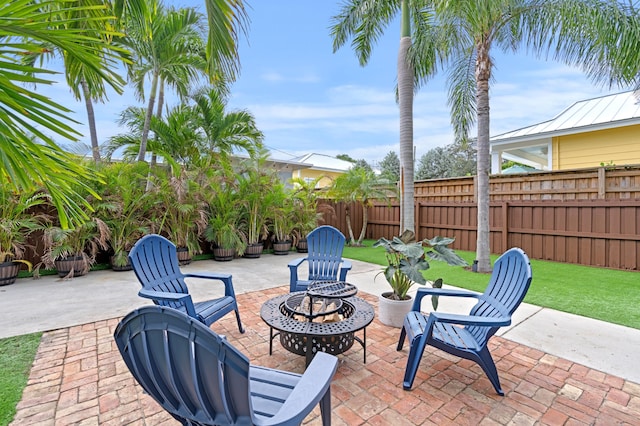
pixel 155 261
pixel 325 245
pixel 201 379
pixel 509 283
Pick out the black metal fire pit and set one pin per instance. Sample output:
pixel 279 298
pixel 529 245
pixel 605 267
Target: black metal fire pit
pixel 300 333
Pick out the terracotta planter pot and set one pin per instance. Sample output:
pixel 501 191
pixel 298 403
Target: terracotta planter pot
pixel 223 254
pixel 184 257
pixel 253 251
pixel 392 312
pixel 281 247
pixel 77 264
pixel 9 272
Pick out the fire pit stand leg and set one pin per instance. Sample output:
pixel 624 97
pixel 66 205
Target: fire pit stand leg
pixel 271 337
pixel 363 343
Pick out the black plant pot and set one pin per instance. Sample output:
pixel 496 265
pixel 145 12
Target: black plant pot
pixel 75 264
pixel 302 246
pixel 223 254
pixel 253 251
pixel 126 267
pixel 9 272
pixel 184 257
pixel 281 247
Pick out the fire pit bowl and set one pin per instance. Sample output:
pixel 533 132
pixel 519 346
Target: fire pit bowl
pixel 307 337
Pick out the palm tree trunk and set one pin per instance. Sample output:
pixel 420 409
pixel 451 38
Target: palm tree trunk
pixel 405 101
pixel 483 74
pixel 349 227
pixel 147 118
pixel 365 221
pixel 91 119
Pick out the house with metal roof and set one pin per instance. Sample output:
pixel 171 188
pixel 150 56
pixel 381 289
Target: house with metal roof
pixel 321 165
pixel 603 130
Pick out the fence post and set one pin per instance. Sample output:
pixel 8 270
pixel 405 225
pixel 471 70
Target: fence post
pixel 602 183
pixel 416 218
pixel 505 227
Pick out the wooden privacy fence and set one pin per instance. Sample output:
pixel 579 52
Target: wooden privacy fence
pixel 587 217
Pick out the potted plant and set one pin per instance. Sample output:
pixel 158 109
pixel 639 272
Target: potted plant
pixel 281 219
pixel 125 208
pixel 223 226
pixel 72 251
pixel 406 261
pixel 183 215
pixel 305 211
pixel 255 184
pixel 17 222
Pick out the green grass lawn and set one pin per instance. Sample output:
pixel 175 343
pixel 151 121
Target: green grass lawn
pixel 16 357
pixel 604 294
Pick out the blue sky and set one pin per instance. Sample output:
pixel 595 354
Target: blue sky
pixel 305 98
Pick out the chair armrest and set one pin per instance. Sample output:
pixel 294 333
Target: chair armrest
pixel 471 319
pixel 430 291
pixel 296 262
pixel 308 392
pixel 162 295
pixel 210 276
pixel 225 278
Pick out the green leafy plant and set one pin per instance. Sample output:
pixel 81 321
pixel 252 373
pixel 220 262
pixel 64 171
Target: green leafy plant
pixel 223 227
pixel 85 240
pixel 125 207
pixel 407 260
pixel 182 211
pixel 18 221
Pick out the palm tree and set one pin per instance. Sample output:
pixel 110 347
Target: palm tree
pixel 224 131
pixel 167 48
pixel 475 28
pixel 365 21
pixel 362 186
pixel 29 157
pixel 418 56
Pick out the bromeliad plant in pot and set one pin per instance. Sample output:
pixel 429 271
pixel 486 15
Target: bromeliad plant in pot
pixel 406 262
pixel 17 222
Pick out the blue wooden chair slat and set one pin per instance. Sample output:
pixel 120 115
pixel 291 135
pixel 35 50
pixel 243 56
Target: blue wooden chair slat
pixel 324 258
pixel 155 262
pixel 201 379
pixel 467 336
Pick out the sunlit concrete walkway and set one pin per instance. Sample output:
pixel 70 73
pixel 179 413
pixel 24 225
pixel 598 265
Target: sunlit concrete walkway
pixel 554 367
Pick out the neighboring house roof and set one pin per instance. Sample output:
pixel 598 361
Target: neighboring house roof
pixel 621 109
pixel 324 162
pixel 532 145
pixel 517 168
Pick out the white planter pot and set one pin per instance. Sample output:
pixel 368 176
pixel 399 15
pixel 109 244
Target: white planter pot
pixel 392 312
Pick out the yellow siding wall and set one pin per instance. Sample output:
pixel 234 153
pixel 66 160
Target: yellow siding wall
pixel 313 174
pixel 619 146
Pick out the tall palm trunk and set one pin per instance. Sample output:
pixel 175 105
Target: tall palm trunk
pixel 349 227
pixel 405 102
pixel 365 222
pixel 147 118
pixel 91 120
pixel 483 75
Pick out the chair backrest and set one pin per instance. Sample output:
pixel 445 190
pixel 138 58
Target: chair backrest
pixel 155 261
pixel 193 373
pixel 510 281
pixel 325 245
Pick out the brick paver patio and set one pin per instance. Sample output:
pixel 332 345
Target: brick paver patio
pixel 78 378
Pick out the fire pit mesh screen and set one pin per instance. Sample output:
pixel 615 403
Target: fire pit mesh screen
pixel 331 337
